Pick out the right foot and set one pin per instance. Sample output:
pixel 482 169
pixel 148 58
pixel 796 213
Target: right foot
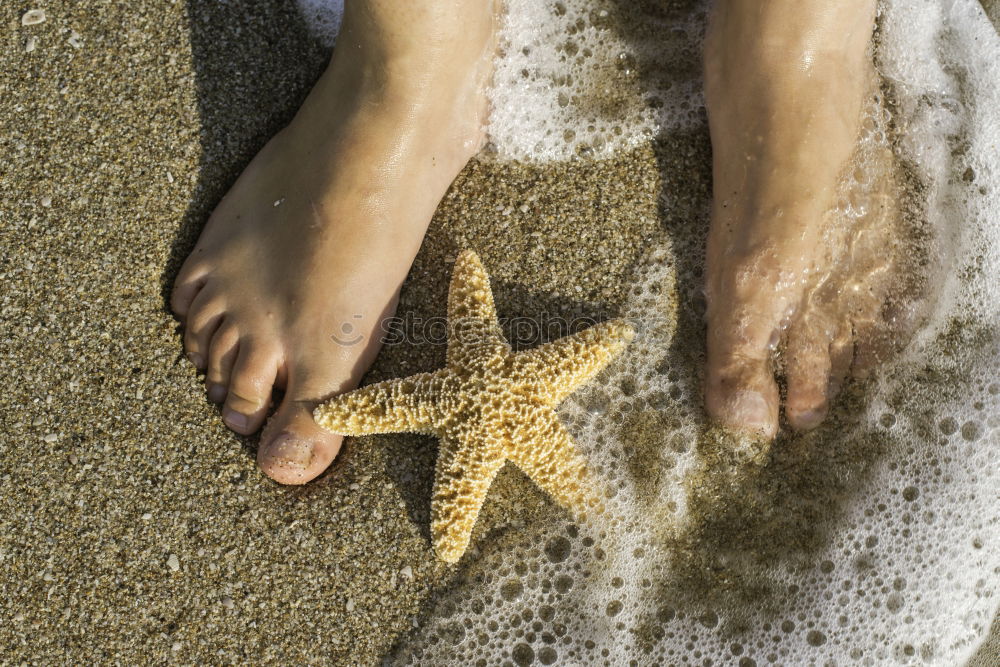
pixel 786 83
pixel 303 259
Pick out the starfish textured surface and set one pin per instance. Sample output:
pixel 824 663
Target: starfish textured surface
pixel 488 405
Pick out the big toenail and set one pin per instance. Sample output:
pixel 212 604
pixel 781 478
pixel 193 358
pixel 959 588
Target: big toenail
pixel 235 420
pixel 749 408
pixel 217 393
pixel 290 450
pixel 747 403
pixel 196 359
pixel 810 418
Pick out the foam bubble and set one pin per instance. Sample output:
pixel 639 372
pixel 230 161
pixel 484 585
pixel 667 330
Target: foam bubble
pixel 869 541
pixel 575 78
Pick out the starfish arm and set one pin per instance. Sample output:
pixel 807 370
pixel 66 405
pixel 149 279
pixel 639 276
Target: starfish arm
pixel 465 469
pixel 393 406
pixel 547 455
pixel 472 319
pixel 558 368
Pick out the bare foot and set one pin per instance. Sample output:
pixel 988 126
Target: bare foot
pixel 304 257
pixel 802 237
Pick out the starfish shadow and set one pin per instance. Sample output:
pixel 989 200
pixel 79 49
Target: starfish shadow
pixel 528 318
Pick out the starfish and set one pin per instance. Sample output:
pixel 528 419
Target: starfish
pixel 488 405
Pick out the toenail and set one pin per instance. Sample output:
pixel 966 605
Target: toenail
pixel 749 409
pixel 217 393
pixel 746 403
pixel 809 419
pixel 290 450
pixel 196 359
pixel 235 420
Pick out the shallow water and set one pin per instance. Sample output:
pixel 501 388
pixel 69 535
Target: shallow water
pixel 871 540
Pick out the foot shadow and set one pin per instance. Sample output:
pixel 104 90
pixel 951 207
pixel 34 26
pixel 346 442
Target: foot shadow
pixel 253 63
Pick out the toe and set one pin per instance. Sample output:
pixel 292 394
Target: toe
pixel 841 357
pixel 203 319
pixel 186 288
pixel 221 356
pixel 250 385
pixel 740 391
pixel 294 450
pixel 807 372
pixel 741 394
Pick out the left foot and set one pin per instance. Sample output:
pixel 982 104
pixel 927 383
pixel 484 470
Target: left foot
pixel 303 259
pixel 786 87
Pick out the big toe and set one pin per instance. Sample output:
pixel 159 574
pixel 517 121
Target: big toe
pixel 741 395
pixel 293 449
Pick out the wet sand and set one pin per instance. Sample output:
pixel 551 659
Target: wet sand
pixel 989 652
pixel 132 523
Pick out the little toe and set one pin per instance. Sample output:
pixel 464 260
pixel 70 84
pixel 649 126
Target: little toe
pixel 250 385
pixel 222 354
pixel 841 357
pixel 807 372
pixel 294 449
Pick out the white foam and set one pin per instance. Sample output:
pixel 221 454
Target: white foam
pixel 907 568
pixel 905 574
pixel 570 83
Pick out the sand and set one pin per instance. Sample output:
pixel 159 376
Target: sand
pixel 133 524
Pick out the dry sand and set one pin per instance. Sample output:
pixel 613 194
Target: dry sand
pixel 133 525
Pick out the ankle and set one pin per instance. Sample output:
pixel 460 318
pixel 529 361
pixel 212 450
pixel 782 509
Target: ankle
pixel 406 48
pixel 436 84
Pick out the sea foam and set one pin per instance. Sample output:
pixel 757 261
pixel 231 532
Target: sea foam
pixel 873 541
